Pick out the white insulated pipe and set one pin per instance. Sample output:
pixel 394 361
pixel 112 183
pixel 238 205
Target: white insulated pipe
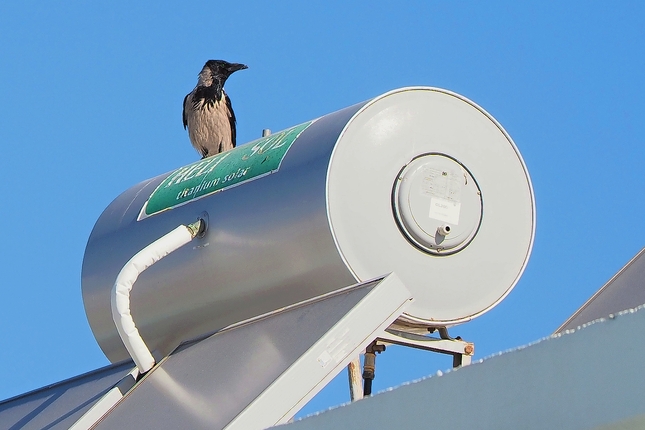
pixel 128 275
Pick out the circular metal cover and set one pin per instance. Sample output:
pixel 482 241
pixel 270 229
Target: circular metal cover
pixel 379 191
pixel 437 204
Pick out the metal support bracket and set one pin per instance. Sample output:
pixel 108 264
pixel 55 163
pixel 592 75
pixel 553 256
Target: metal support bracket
pixel 460 350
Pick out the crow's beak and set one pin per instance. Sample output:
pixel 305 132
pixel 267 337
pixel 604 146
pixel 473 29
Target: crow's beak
pixel 234 67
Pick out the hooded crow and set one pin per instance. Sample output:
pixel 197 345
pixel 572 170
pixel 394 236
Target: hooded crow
pixel 208 112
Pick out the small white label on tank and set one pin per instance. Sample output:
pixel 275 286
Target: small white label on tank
pixel 444 210
pixel 442 183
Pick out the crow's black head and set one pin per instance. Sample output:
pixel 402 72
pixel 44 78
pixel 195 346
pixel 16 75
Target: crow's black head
pixel 221 70
pixel 210 82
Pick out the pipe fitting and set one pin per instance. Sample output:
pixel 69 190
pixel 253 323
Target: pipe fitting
pixel 444 230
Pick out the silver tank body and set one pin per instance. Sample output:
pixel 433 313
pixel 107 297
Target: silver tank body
pixel 321 221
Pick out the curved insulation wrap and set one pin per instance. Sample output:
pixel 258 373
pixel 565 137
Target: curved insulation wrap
pixel 418 181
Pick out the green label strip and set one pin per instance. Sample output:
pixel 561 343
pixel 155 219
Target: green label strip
pixel 221 171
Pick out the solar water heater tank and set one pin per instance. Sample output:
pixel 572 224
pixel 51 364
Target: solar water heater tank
pixel 418 181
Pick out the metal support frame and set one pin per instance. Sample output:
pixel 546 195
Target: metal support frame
pixel 460 350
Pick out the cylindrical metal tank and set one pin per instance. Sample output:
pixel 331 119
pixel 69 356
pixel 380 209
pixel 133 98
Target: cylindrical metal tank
pixel 419 181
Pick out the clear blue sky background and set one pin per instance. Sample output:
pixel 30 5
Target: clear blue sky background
pixel 90 104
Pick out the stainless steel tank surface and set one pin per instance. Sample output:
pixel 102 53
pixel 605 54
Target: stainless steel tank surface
pixel 419 181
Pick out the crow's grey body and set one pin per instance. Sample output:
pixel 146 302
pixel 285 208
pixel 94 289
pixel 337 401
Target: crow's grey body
pixel 211 127
pixel 208 113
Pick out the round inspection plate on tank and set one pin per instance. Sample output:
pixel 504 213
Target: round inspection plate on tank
pixel 437 204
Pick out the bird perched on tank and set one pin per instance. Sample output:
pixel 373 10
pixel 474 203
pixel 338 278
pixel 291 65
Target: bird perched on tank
pixel 208 112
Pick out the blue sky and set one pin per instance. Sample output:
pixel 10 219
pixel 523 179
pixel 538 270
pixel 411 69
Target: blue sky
pixel 90 104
